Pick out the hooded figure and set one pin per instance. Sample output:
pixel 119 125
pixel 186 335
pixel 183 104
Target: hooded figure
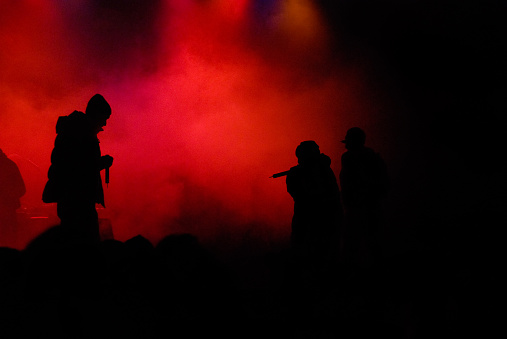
pixel 314 189
pixel 74 180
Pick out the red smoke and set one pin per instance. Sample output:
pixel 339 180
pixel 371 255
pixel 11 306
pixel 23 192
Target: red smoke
pixel 209 99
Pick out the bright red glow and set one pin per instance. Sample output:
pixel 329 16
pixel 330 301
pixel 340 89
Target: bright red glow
pixel 208 101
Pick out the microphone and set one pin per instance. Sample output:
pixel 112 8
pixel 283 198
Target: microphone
pixel 107 176
pixel 281 174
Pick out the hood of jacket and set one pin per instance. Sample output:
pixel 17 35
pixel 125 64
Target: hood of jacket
pixel 76 124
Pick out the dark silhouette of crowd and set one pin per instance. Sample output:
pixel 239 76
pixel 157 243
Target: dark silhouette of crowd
pixel 61 287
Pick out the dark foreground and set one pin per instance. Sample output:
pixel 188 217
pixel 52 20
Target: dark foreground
pixel 62 288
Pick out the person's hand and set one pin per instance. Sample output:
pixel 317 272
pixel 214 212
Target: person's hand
pixel 107 161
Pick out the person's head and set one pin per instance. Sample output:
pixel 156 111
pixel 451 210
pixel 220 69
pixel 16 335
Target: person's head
pixel 354 139
pixel 307 152
pixel 98 111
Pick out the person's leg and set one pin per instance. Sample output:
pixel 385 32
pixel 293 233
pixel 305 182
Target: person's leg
pixel 80 218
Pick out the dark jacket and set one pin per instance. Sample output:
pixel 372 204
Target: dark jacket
pixel 12 186
pixel 74 174
pixel 317 206
pixel 363 178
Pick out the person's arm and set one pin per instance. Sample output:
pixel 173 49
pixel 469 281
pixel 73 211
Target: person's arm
pixel 290 181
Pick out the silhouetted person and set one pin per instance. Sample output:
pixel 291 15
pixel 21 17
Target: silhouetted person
pixel 314 189
pixel 12 188
pixel 74 181
pixel 364 183
pixel 316 225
